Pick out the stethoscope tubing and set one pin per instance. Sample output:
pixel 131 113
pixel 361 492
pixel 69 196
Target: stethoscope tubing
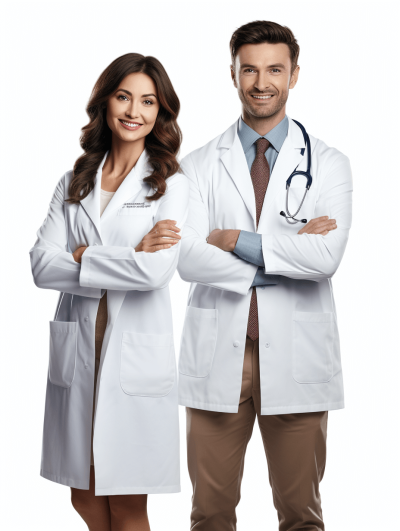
pixel 291 218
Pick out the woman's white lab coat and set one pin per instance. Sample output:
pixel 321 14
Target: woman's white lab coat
pixel 136 433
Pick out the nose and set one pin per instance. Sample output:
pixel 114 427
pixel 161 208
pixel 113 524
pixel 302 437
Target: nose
pixel 262 81
pixel 132 110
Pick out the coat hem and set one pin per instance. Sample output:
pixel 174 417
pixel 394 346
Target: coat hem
pixel 68 482
pixel 276 410
pixel 171 489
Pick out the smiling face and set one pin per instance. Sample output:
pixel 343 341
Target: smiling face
pixel 263 76
pixel 132 109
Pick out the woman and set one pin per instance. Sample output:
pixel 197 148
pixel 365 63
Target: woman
pixel 110 245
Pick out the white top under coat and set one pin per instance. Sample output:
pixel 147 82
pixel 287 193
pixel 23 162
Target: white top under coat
pixel 105 198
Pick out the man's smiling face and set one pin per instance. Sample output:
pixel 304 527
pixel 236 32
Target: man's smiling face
pixel 263 75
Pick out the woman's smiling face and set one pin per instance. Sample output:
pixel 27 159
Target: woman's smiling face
pixel 132 109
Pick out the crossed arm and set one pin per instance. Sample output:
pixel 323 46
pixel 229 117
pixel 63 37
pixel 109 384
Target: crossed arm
pixel 314 253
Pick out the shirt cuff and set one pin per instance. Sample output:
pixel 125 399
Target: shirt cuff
pixel 249 247
pixel 261 279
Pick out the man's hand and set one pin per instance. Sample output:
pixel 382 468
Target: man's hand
pixel 163 235
pixel 224 239
pixel 322 225
pixel 78 254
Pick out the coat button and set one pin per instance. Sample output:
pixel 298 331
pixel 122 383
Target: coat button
pixel 236 343
pixel 86 318
pixel 267 345
pixel 86 365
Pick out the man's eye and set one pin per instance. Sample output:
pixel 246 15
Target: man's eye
pixel 275 70
pixel 249 70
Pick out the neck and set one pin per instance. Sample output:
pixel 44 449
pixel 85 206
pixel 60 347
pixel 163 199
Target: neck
pixel 263 125
pixel 122 158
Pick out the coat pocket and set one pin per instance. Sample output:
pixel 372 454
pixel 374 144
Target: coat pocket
pixel 63 348
pixel 147 364
pixel 199 339
pixel 312 347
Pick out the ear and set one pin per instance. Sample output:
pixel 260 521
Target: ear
pixel 233 76
pixel 294 77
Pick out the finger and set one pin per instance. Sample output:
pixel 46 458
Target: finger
pixel 326 228
pixel 157 229
pixel 165 232
pixel 161 241
pixel 323 225
pixel 167 223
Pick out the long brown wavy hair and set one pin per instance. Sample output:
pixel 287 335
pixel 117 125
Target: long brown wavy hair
pixel 162 143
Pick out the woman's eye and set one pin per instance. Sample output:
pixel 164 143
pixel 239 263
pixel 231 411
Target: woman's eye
pixel 148 102
pixel 122 96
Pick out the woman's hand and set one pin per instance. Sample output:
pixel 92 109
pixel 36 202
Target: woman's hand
pixel 322 225
pixel 78 254
pixel 163 235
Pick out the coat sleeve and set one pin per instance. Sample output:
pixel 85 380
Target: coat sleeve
pixel 122 268
pixel 312 256
pixel 203 263
pixel 53 266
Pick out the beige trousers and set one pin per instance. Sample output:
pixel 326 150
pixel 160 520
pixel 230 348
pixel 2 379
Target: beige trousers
pixel 295 448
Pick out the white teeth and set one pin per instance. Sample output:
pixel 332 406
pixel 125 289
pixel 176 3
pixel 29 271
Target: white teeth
pixel 262 97
pixel 132 126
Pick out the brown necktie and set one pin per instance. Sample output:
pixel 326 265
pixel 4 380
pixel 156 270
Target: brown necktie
pixel 260 177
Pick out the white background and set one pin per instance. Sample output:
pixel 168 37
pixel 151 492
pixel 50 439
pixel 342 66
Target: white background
pixel 347 95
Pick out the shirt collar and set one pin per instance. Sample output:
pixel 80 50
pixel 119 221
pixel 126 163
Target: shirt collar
pixel 275 137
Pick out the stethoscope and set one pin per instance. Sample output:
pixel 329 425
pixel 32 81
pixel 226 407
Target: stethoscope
pixel 288 216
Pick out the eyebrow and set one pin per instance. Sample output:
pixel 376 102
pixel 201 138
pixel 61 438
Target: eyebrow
pixel 130 93
pixel 280 65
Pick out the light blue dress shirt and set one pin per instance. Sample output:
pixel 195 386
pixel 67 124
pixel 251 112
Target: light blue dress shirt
pixel 249 246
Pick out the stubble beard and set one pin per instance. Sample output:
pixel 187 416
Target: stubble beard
pixel 258 112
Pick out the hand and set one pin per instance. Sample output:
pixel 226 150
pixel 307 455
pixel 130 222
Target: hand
pixel 163 235
pixel 78 254
pixel 322 225
pixel 224 239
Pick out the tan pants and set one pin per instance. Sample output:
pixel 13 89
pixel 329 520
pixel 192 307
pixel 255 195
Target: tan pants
pixel 295 448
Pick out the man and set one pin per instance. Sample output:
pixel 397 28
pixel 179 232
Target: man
pixel 260 337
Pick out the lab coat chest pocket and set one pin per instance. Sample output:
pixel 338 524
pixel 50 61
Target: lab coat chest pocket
pixel 147 364
pixel 313 340
pixel 63 348
pixel 198 342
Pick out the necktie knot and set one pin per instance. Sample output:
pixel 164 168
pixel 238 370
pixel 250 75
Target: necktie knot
pixel 262 145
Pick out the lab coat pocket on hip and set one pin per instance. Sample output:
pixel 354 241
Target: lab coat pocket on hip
pixel 312 347
pixel 63 348
pixel 147 364
pixel 199 339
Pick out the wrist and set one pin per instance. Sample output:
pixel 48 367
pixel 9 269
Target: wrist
pixel 234 239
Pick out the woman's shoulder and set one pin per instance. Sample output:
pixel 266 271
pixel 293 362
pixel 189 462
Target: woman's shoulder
pixel 178 180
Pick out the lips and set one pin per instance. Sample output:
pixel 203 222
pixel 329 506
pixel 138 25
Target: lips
pixel 260 97
pixel 131 126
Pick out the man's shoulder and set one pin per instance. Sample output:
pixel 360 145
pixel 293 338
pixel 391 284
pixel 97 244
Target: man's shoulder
pixel 207 154
pixel 321 149
pixel 327 155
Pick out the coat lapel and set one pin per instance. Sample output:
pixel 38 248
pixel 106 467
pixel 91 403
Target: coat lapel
pixel 235 163
pixel 129 188
pixel 288 159
pixel 91 203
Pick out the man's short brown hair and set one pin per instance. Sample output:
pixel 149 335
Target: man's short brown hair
pixel 264 31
